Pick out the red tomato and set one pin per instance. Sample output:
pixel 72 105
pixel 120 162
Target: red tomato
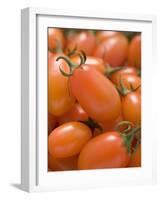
pixel 83 40
pixel 104 151
pixel 51 122
pixel 115 77
pixel 131 107
pixel 134 53
pixel 91 61
pixel 135 160
pixel 68 139
pixel 113 50
pixel 130 81
pixel 75 114
pixel 61 164
pixel 55 38
pixel 95 93
pixel 60 99
pixel 101 35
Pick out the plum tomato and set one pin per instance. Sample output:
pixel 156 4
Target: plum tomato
pixel 104 151
pixel 101 35
pixel 134 52
pixel 60 99
pixel 113 50
pixel 68 139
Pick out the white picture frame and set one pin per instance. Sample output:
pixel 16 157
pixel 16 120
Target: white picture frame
pixel 34 174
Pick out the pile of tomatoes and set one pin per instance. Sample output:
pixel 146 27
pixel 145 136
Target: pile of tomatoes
pixel 94 99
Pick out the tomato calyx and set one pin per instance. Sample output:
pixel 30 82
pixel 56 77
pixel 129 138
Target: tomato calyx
pixel 129 134
pixel 123 91
pixel 110 70
pixel 72 66
pixel 92 124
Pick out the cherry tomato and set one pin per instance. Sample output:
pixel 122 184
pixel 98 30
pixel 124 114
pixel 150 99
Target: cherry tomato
pixel 84 40
pixel 113 50
pixel 135 160
pixel 55 38
pixel 68 139
pixel 101 35
pixel 95 93
pixel 51 122
pixel 93 62
pixel 60 99
pixel 104 151
pixel 75 114
pixel 115 77
pixel 61 164
pixel 130 81
pixel 131 107
pixel 134 53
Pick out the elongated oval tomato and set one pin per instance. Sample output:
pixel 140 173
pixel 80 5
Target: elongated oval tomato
pixel 115 77
pixel 55 38
pixel 96 63
pixel 104 151
pixel 75 114
pixel 134 53
pixel 51 122
pixel 68 139
pixel 135 160
pixel 101 35
pixel 84 40
pixel 96 94
pixel 60 99
pixel 131 107
pixel 61 164
pixel 113 50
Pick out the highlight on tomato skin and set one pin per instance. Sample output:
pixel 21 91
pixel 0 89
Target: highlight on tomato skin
pixel 68 139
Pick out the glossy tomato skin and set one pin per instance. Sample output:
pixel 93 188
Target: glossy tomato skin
pixel 55 38
pixel 60 99
pixel 113 50
pixel 76 113
pixel 96 94
pixel 51 122
pixel 134 53
pixel 115 77
pixel 101 35
pixel 68 139
pixel 135 160
pixel 93 62
pixel 131 107
pixel 62 164
pixel 83 40
pixel 104 151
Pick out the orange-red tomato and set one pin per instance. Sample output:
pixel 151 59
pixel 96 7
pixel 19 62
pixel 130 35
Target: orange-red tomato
pixel 83 40
pixel 68 139
pixel 113 50
pixel 130 81
pixel 95 93
pixel 51 122
pixel 61 164
pixel 101 35
pixel 104 151
pixel 55 38
pixel 91 61
pixel 60 99
pixel 75 114
pixel 134 53
pixel 115 77
pixel 131 107
pixel 135 160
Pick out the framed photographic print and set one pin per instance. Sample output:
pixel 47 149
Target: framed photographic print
pixel 86 108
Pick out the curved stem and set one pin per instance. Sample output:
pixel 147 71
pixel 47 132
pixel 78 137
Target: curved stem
pixel 109 70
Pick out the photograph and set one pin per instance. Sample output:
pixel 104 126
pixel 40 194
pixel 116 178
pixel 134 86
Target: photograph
pixel 94 99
